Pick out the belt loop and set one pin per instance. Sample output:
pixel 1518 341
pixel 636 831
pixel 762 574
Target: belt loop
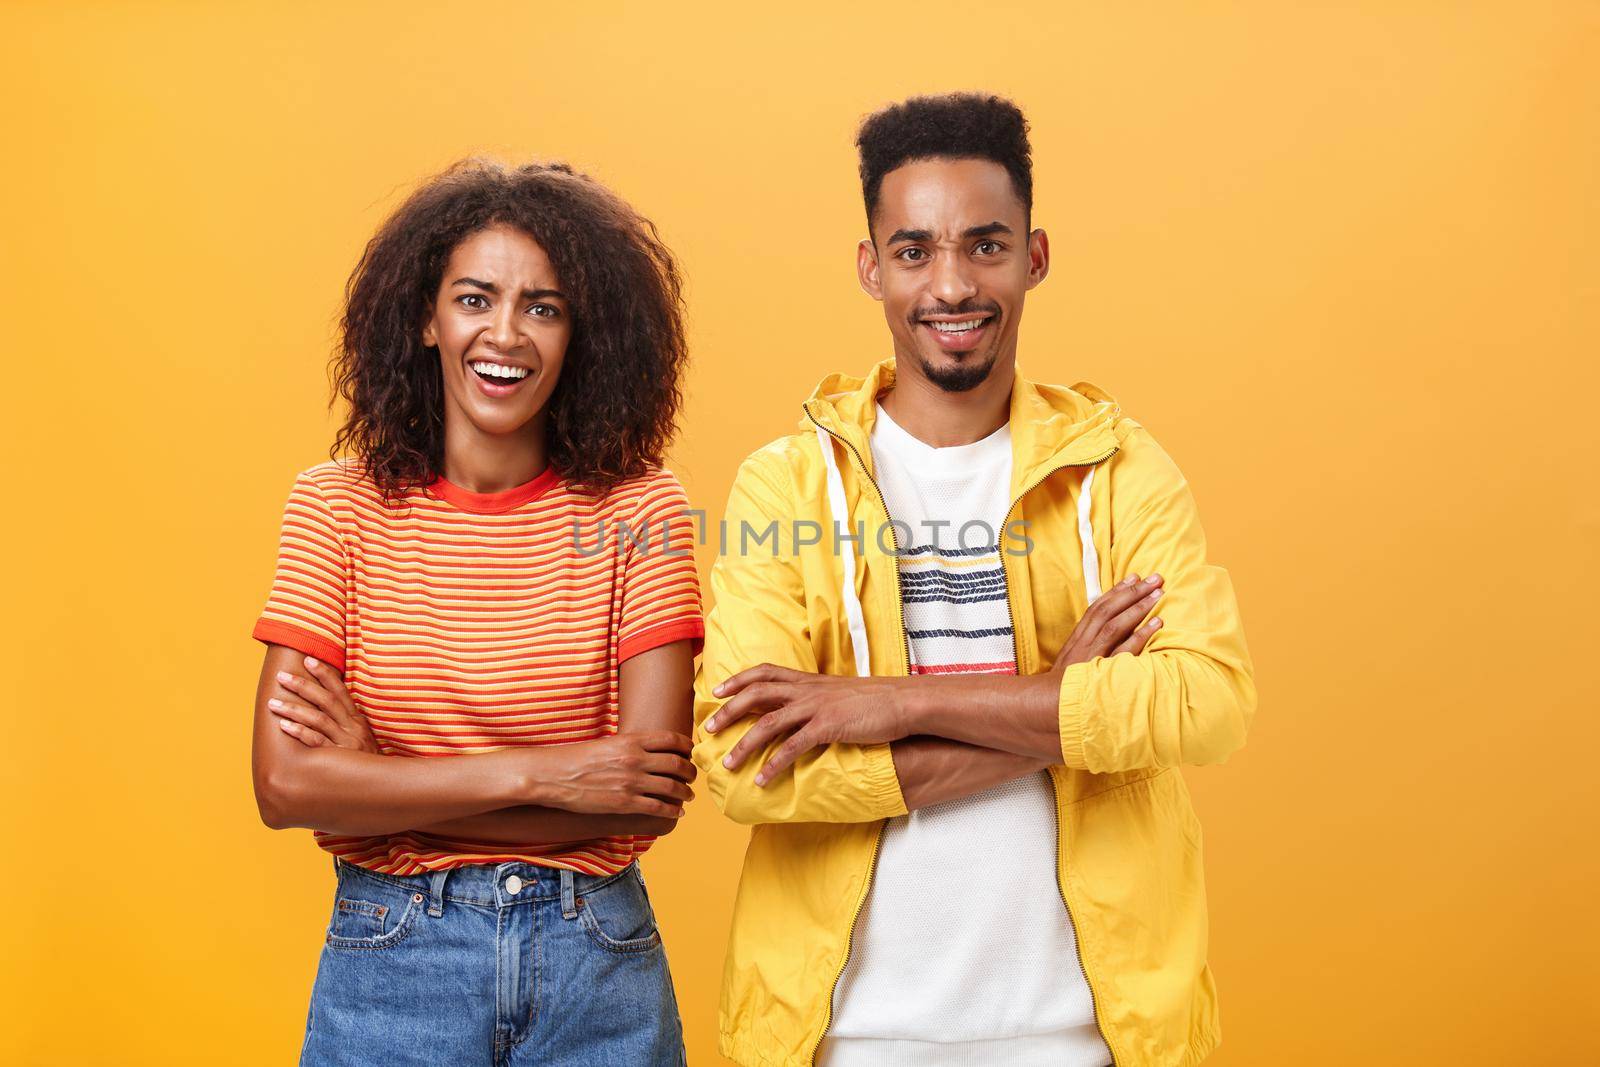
pixel 436 892
pixel 569 903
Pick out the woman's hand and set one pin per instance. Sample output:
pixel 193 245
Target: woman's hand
pixel 628 773
pixel 322 712
pixel 644 773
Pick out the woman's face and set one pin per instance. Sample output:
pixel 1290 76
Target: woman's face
pixel 501 324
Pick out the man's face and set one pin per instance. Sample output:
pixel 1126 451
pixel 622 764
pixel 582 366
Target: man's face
pixel 951 258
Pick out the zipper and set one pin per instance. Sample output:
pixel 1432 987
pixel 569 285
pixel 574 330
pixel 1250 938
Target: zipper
pixel 1055 787
pixel 905 651
pixel 899 603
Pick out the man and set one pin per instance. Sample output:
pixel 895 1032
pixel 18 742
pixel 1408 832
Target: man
pixel 952 720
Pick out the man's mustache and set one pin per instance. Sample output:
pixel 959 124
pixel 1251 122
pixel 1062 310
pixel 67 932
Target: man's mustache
pixel 966 307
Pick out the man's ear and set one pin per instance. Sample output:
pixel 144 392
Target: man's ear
pixel 1038 257
pixel 867 268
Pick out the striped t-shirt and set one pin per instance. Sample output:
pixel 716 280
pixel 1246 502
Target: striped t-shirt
pixel 467 622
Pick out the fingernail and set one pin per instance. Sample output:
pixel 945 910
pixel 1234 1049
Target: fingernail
pixel 311 662
pixel 1155 622
pixel 286 726
pixel 720 687
pixel 761 779
pixel 274 703
pixel 1157 594
pixel 285 676
pixel 711 725
pixel 727 761
pixel 1153 579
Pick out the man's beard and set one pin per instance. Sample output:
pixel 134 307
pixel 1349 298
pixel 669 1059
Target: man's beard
pixel 961 378
pixel 971 371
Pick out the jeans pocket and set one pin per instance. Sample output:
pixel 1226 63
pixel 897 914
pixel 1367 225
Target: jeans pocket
pixel 371 913
pixel 618 917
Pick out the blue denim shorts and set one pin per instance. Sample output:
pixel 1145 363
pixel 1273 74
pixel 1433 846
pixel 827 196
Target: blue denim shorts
pixel 494 964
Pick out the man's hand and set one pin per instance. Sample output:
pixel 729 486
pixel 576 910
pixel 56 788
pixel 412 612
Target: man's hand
pixel 1111 625
pixel 324 714
pixel 819 709
pixel 813 709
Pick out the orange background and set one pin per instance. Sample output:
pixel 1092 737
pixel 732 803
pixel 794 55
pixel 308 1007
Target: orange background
pixel 1341 259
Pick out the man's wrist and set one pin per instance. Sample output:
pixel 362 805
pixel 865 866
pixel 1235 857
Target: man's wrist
pixel 913 710
pixel 1044 703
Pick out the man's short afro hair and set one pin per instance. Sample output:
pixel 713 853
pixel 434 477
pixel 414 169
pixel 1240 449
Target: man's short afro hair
pixel 948 126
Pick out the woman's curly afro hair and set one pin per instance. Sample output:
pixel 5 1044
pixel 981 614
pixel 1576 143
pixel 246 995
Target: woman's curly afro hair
pixel 614 409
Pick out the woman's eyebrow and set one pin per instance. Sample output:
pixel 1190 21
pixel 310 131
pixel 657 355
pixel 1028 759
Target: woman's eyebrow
pixel 491 287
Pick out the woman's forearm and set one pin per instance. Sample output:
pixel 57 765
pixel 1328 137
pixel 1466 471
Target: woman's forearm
pixel 346 791
pixel 531 824
pixel 633 779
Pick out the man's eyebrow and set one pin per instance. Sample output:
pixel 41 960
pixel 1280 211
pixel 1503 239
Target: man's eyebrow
pixel 491 287
pixel 988 229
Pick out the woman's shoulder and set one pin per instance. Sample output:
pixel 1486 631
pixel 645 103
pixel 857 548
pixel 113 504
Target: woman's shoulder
pixel 650 491
pixel 344 474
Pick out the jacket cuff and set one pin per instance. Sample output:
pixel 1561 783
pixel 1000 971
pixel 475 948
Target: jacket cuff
pixel 1073 721
pixel 883 782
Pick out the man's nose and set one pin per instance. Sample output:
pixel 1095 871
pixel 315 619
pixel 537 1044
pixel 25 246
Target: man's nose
pixel 951 283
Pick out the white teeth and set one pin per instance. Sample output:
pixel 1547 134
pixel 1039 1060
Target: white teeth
pixel 499 370
pixel 957 327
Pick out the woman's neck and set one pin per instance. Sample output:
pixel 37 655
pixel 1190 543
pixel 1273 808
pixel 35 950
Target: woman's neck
pixel 493 463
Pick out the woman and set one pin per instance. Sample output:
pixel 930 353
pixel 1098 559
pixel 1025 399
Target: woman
pixel 512 346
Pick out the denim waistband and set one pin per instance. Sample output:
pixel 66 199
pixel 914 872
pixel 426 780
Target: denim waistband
pixel 493 885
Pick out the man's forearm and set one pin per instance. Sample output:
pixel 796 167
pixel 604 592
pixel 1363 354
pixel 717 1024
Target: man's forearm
pixel 935 769
pixel 1018 715
pixel 530 824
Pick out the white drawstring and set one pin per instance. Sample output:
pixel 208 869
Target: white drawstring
pixel 1091 559
pixel 852 603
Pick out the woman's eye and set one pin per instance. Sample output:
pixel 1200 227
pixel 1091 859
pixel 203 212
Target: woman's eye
pixel 545 311
pixel 467 300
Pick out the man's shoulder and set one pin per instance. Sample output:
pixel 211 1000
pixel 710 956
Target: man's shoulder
pixel 781 462
pixel 1143 471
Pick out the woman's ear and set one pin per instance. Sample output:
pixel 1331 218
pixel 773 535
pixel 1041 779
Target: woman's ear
pixel 430 336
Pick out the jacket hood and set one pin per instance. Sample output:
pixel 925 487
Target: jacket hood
pixel 1051 425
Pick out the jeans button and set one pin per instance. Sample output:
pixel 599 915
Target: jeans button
pixel 513 885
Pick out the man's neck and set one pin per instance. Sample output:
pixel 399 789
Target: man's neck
pixel 942 419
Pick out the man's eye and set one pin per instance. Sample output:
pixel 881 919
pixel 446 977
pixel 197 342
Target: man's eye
pixel 987 248
pixel 467 298
pixel 912 254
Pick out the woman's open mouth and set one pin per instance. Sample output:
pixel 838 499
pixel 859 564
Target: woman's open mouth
pixel 498 379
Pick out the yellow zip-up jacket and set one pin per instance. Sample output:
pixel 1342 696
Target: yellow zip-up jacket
pixel 1101 500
